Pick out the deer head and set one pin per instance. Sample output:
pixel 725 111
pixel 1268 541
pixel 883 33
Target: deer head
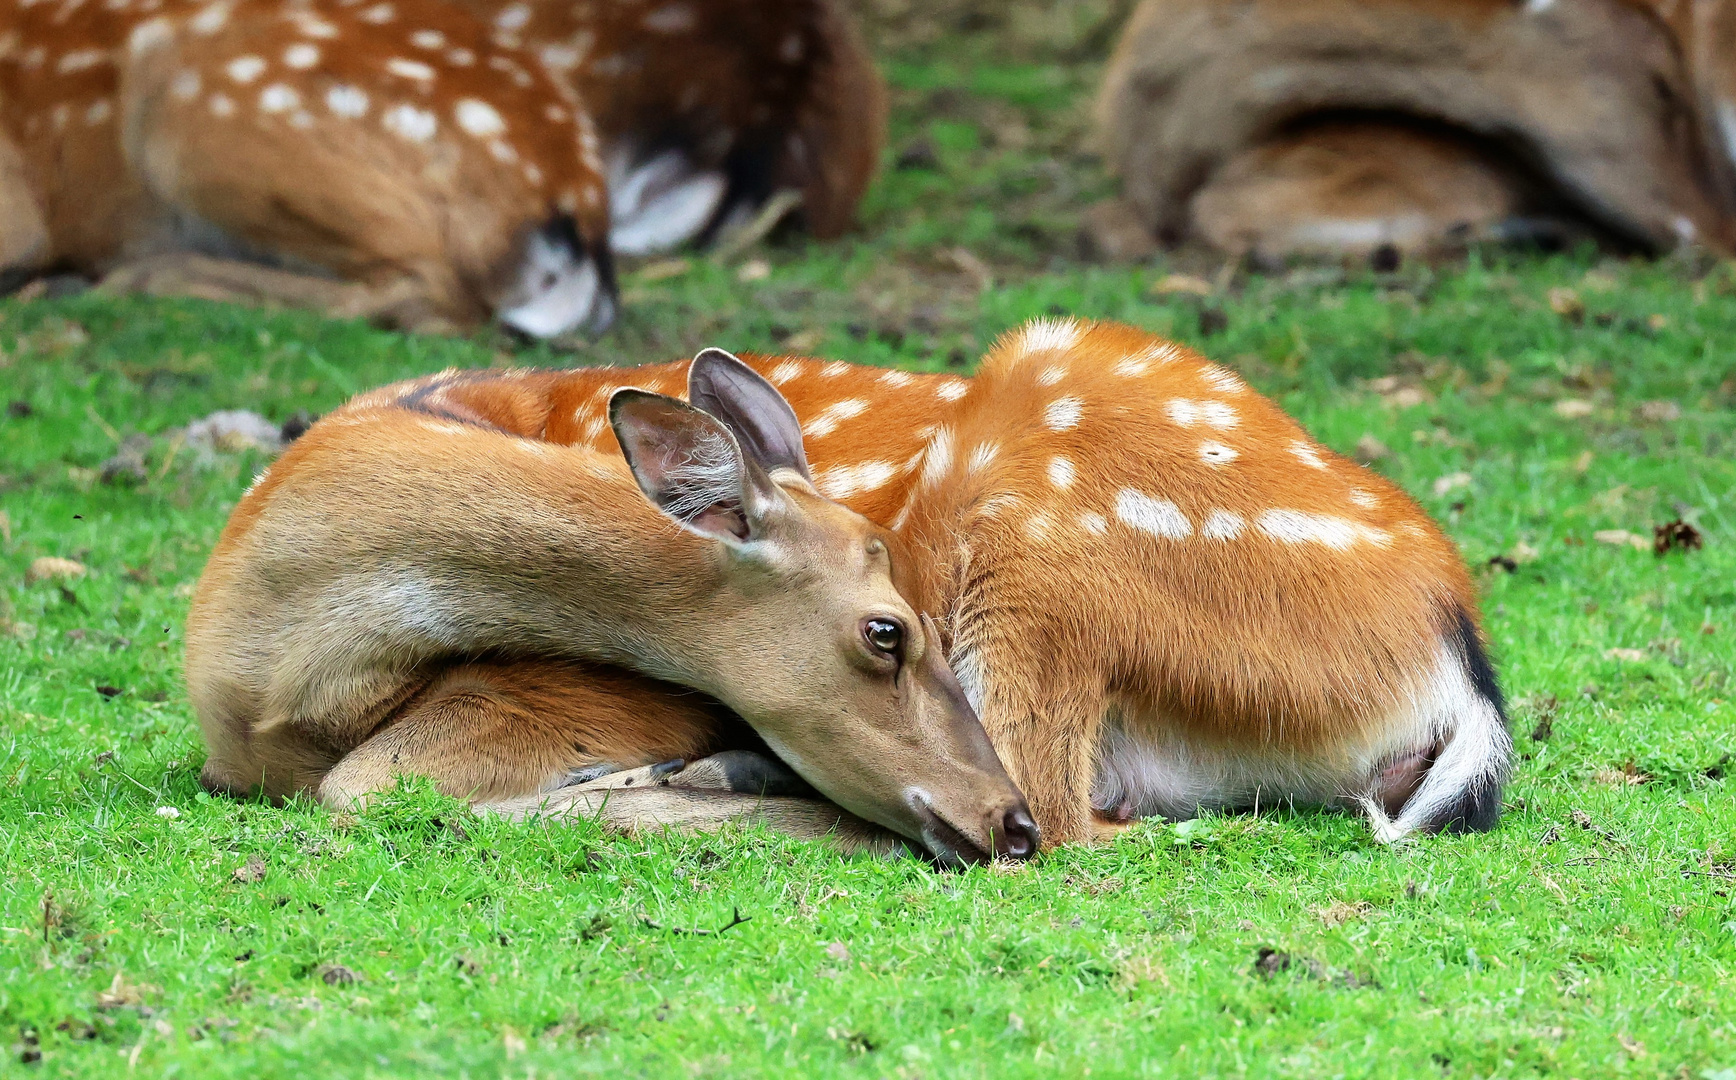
pixel 845 681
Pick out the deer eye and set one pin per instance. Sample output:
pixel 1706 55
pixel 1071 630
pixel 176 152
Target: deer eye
pixel 884 636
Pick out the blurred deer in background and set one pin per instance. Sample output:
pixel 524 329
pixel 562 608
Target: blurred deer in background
pixel 426 584
pixel 1160 594
pixel 708 108
pixel 426 172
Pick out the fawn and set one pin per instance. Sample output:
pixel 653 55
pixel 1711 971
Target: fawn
pixel 395 144
pixel 1159 593
pixel 424 583
pixel 706 108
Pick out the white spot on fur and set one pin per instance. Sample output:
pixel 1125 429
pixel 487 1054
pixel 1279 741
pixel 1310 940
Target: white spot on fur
pixel 461 58
pixel 1216 453
pixel 1219 415
pixel 1095 524
pixel 186 85
pixel 938 461
pixel 1159 517
pixel 1061 472
pixel 379 14
pixel 1307 455
pixel 278 98
pixel 1047 335
pixel 1063 413
pixel 148 35
pixel 409 69
pixel 1298 527
pixel 671 19
pixel 428 39
pixel 80 60
pixel 1038 526
pixel 835 369
pixel 347 101
pixel 98 112
pixel 502 152
pixel 210 19
pixel 1364 499
pixel 1130 367
pixel 1222 525
pixel 301 56
pixel 560 57
pixel 842 481
pixel 785 372
pixel 513 17
pixel 478 118
pixel 981 456
pixel 1183 412
pixel 411 123
pixel 244 69
pixel 895 377
pixel 952 390
pixel 313 27
pixel 1051 375
pixel 1222 379
pixel 221 105
pixel 833 415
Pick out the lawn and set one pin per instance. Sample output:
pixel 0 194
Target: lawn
pixel 1539 407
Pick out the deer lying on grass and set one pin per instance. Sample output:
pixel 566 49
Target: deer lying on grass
pixel 1159 593
pixel 428 172
pixel 707 108
pixel 1281 127
pixel 424 583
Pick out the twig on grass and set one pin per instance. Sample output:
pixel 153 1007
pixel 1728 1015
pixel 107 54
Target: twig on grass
pixel 737 919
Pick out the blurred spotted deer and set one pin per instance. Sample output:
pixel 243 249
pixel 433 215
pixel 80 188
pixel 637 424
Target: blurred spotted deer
pixel 709 108
pixel 429 582
pixel 1160 594
pixel 388 157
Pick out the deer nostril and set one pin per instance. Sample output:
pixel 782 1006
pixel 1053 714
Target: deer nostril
pixel 1018 836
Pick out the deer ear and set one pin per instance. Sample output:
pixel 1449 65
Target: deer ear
pixel 690 466
pixel 751 407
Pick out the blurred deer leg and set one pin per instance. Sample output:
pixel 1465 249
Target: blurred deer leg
pixel 686 809
pixel 492 731
pixel 401 303
pixel 23 232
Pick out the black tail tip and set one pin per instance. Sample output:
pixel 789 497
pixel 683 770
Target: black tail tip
pixel 1477 809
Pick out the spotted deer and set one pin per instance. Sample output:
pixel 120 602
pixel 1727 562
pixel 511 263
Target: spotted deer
pixel 1159 593
pixel 426 583
pixel 706 108
pixel 430 173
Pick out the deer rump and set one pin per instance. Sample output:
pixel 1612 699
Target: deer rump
pixel 1343 127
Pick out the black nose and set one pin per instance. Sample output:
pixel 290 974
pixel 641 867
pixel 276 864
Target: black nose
pixel 1018 837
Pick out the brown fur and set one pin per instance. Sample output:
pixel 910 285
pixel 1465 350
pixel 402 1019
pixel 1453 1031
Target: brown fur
pixel 1226 120
pixel 1314 668
pixel 151 129
pixel 412 587
pixel 778 93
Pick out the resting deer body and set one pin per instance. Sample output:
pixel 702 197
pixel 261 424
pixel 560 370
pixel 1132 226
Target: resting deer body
pixel 426 584
pixel 393 145
pixel 1161 595
pixel 706 108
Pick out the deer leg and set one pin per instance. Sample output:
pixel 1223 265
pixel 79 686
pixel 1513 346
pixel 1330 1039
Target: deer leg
pixel 400 303
pixel 1048 744
pixel 741 771
pixel 490 731
pixel 697 810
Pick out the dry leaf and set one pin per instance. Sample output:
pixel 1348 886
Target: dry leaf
pixel 1582 463
pixel 1370 449
pixel 1566 303
pixel 803 341
pixel 753 270
pixel 1181 283
pixel 663 269
pixel 1573 408
pixel 1523 553
pixel 1629 656
pixel 1660 411
pixel 1339 912
pixel 1452 482
pixel 1619 537
pixel 252 871
pixel 513 1042
pixel 839 951
pixel 50 568
pixel 1405 397
pixel 337 975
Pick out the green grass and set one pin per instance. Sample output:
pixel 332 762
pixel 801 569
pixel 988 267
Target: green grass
pixel 1593 934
